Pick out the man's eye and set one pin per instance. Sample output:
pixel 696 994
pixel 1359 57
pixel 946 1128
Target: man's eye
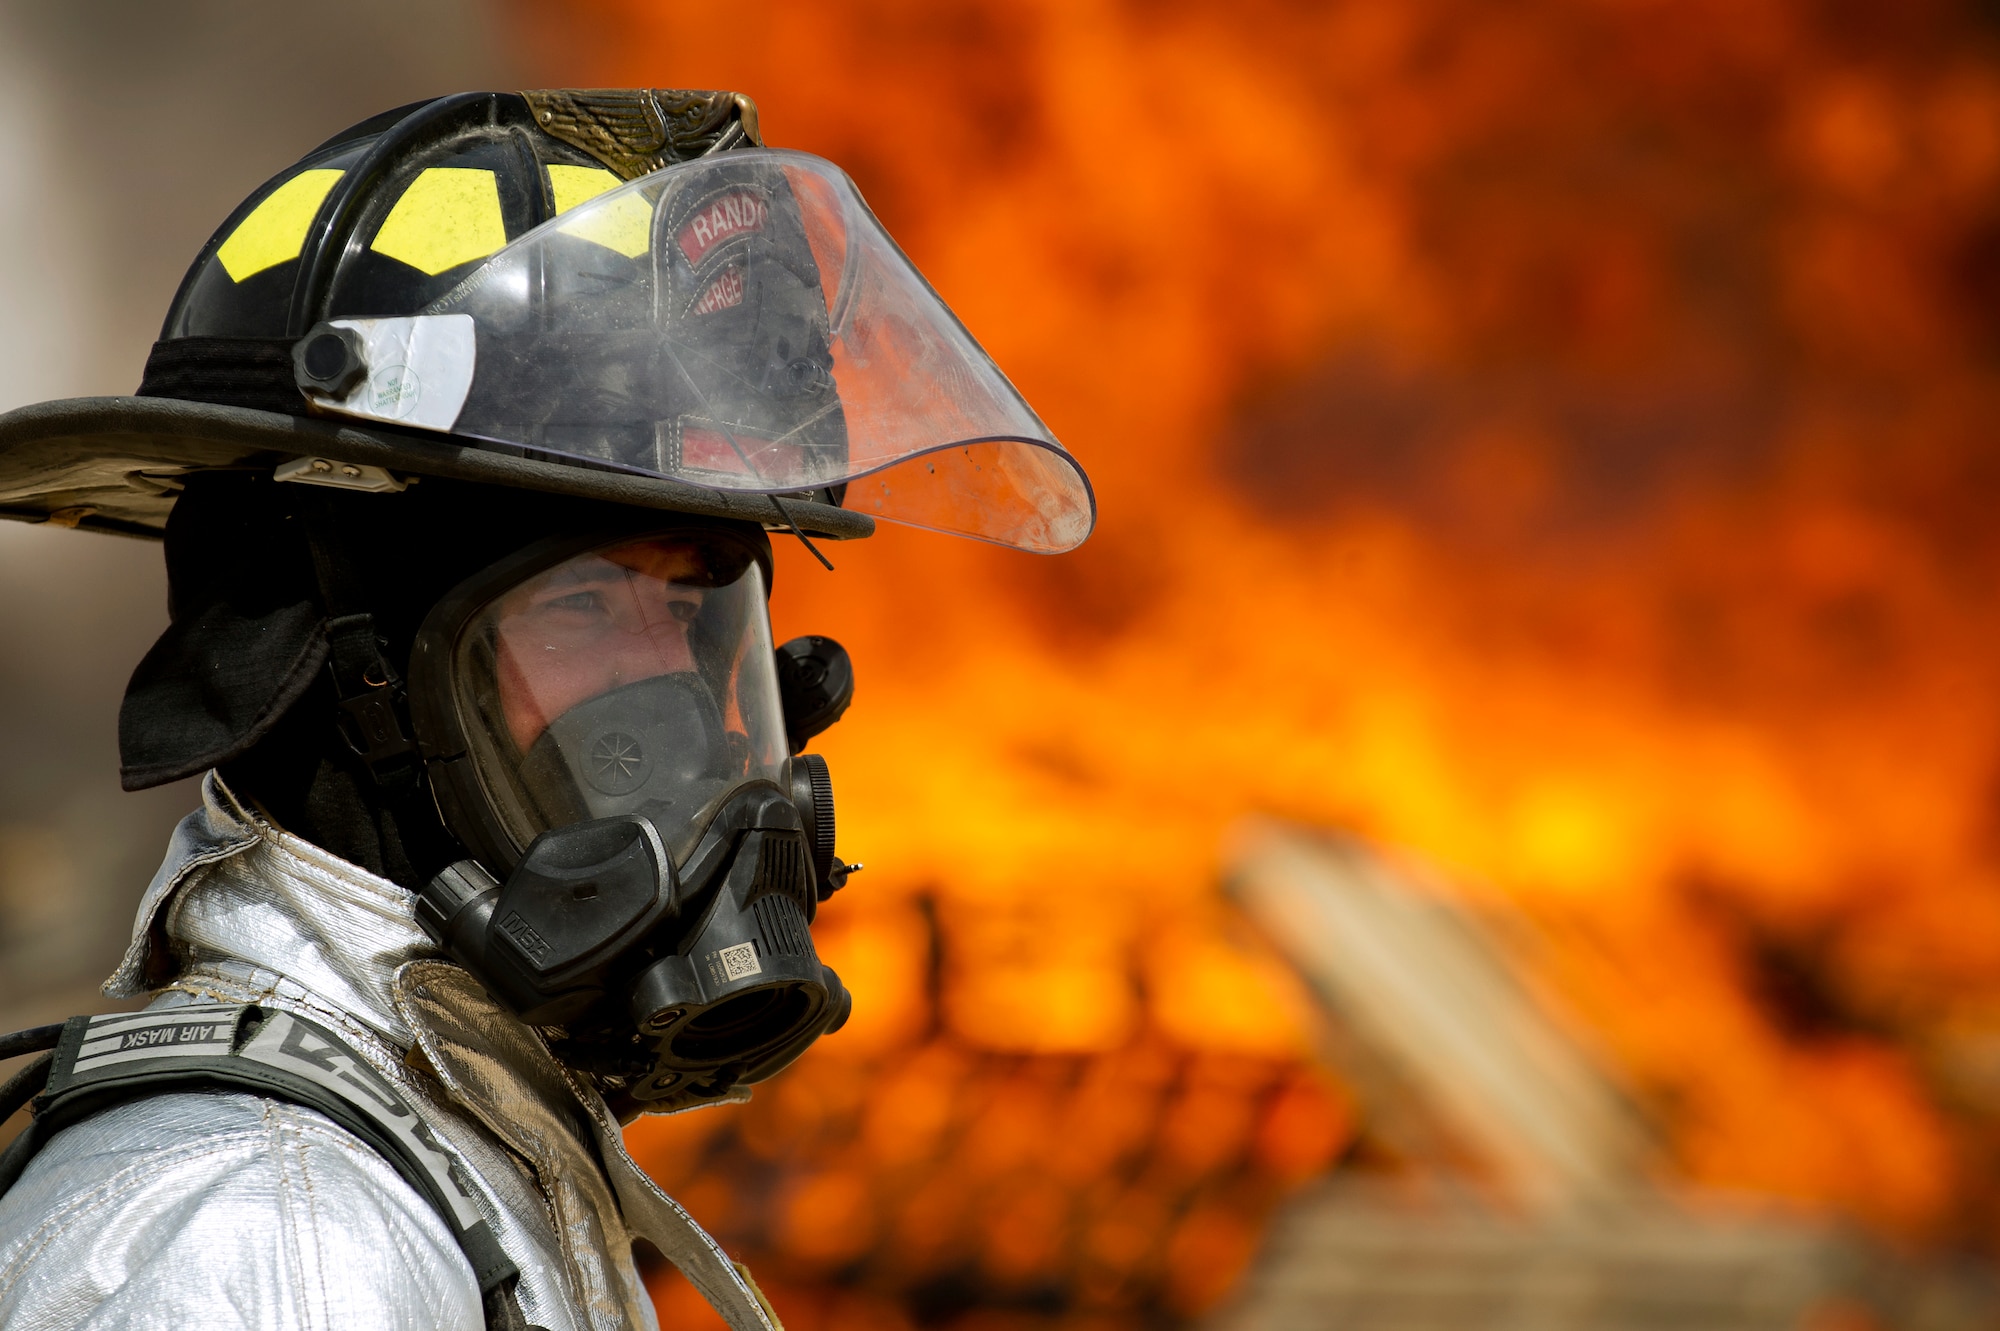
pixel 684 611
pixel 577 601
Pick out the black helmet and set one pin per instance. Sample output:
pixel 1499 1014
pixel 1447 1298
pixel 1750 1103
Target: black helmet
pixel 611 294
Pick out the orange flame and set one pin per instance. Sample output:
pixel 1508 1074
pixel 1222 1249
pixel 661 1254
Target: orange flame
pixel 1552 439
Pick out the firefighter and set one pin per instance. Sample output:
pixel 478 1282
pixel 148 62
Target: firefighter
pixel 468 438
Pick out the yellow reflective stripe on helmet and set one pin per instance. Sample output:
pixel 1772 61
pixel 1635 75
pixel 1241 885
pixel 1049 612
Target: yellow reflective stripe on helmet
pixel 624 225
pixel 575 184
pixel 448 216
pixel 275 230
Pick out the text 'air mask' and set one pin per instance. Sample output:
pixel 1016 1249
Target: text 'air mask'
pixel 607 728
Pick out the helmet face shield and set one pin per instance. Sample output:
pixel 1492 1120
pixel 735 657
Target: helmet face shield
pixel 635 678
pixel 740 322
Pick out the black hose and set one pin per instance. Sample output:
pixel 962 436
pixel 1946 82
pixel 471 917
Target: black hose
pixel 31 1040
pixel 25 1085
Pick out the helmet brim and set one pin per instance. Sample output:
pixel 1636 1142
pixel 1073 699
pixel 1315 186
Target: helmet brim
pixel 111 464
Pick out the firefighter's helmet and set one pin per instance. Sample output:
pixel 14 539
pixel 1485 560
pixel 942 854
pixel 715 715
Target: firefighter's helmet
pixel 613 294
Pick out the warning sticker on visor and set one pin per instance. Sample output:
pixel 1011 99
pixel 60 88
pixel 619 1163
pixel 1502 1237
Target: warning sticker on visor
pixel 735 213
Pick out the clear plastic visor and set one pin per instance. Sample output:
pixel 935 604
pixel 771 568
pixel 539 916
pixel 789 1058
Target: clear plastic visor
pixel 638 679
pixel 741 322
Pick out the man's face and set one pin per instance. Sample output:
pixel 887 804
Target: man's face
pixel 592 624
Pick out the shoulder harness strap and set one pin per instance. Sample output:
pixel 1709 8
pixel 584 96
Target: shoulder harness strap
pixel 104 1060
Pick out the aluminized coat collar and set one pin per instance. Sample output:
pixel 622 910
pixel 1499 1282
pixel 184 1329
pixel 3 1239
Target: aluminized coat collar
pixel 236 891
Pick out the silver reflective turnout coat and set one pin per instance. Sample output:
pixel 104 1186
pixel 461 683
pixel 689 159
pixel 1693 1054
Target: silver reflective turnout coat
pixel 223 1209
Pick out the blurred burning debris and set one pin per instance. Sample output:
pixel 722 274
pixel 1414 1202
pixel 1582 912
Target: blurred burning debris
pixel 1475 1161
pixel 1359 1258
pixel 936 1175
pixel 1461 1061
pixel 1524 1188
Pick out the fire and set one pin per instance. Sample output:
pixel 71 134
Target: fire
pixel 1552 440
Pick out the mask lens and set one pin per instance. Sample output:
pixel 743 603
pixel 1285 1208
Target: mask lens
pixel 635 679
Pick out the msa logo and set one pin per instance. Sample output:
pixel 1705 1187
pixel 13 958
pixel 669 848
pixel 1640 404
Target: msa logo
pixel 736 213
pixel 524 937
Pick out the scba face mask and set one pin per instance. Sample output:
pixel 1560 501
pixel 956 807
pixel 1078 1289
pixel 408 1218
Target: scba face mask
pixel 604 729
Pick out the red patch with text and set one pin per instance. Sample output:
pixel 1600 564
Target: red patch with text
pixel 736 453
pixel 725 217
pixel 723 292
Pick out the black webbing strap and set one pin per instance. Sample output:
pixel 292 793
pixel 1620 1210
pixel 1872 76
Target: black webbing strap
pixel 106 1060
pixel 369 690
pixel 371 705
pixel 235 371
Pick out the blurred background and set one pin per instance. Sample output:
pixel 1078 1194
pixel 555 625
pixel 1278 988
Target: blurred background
pixel 1501 825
